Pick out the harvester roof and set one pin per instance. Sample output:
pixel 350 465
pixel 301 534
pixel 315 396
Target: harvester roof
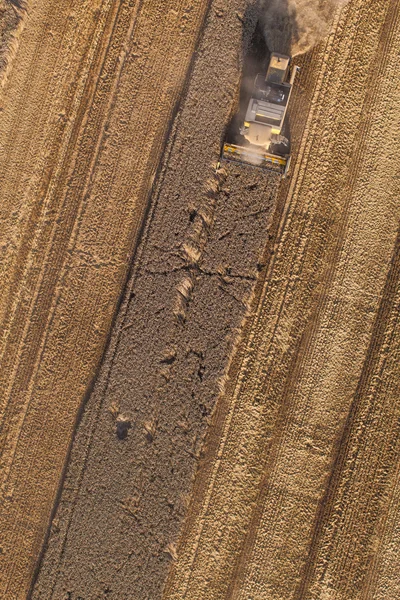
pixel 278 68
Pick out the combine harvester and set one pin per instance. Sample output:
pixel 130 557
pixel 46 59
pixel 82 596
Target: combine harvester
pixel 266 147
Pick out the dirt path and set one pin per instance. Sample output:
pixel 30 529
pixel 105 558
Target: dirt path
pixel 298 490
pixel 81 137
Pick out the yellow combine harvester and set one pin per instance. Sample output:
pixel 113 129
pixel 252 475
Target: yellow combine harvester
pixel 264 145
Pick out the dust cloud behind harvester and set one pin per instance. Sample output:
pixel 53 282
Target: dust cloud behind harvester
pixel 293 27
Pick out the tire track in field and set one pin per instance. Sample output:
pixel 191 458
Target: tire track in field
pixel 346 532
pixel 11 143
pixel 55 252
pixel 38 223
pixel 382 581
pixel 389 29
pixel 12 22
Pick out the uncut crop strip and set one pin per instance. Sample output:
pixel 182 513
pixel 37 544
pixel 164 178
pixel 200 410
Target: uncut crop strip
pixel 164 395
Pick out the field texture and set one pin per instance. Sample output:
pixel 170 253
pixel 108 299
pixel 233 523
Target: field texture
pixel 279 299
pixel 241 439
pixel 86 107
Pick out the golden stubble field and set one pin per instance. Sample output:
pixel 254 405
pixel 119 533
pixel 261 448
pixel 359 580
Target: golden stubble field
pixel 298 491
pixel 262 316
pixel 88 100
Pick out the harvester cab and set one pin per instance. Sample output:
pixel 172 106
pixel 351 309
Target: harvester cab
pixel 264 145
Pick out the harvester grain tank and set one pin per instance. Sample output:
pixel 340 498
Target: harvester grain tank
pixel 264 145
